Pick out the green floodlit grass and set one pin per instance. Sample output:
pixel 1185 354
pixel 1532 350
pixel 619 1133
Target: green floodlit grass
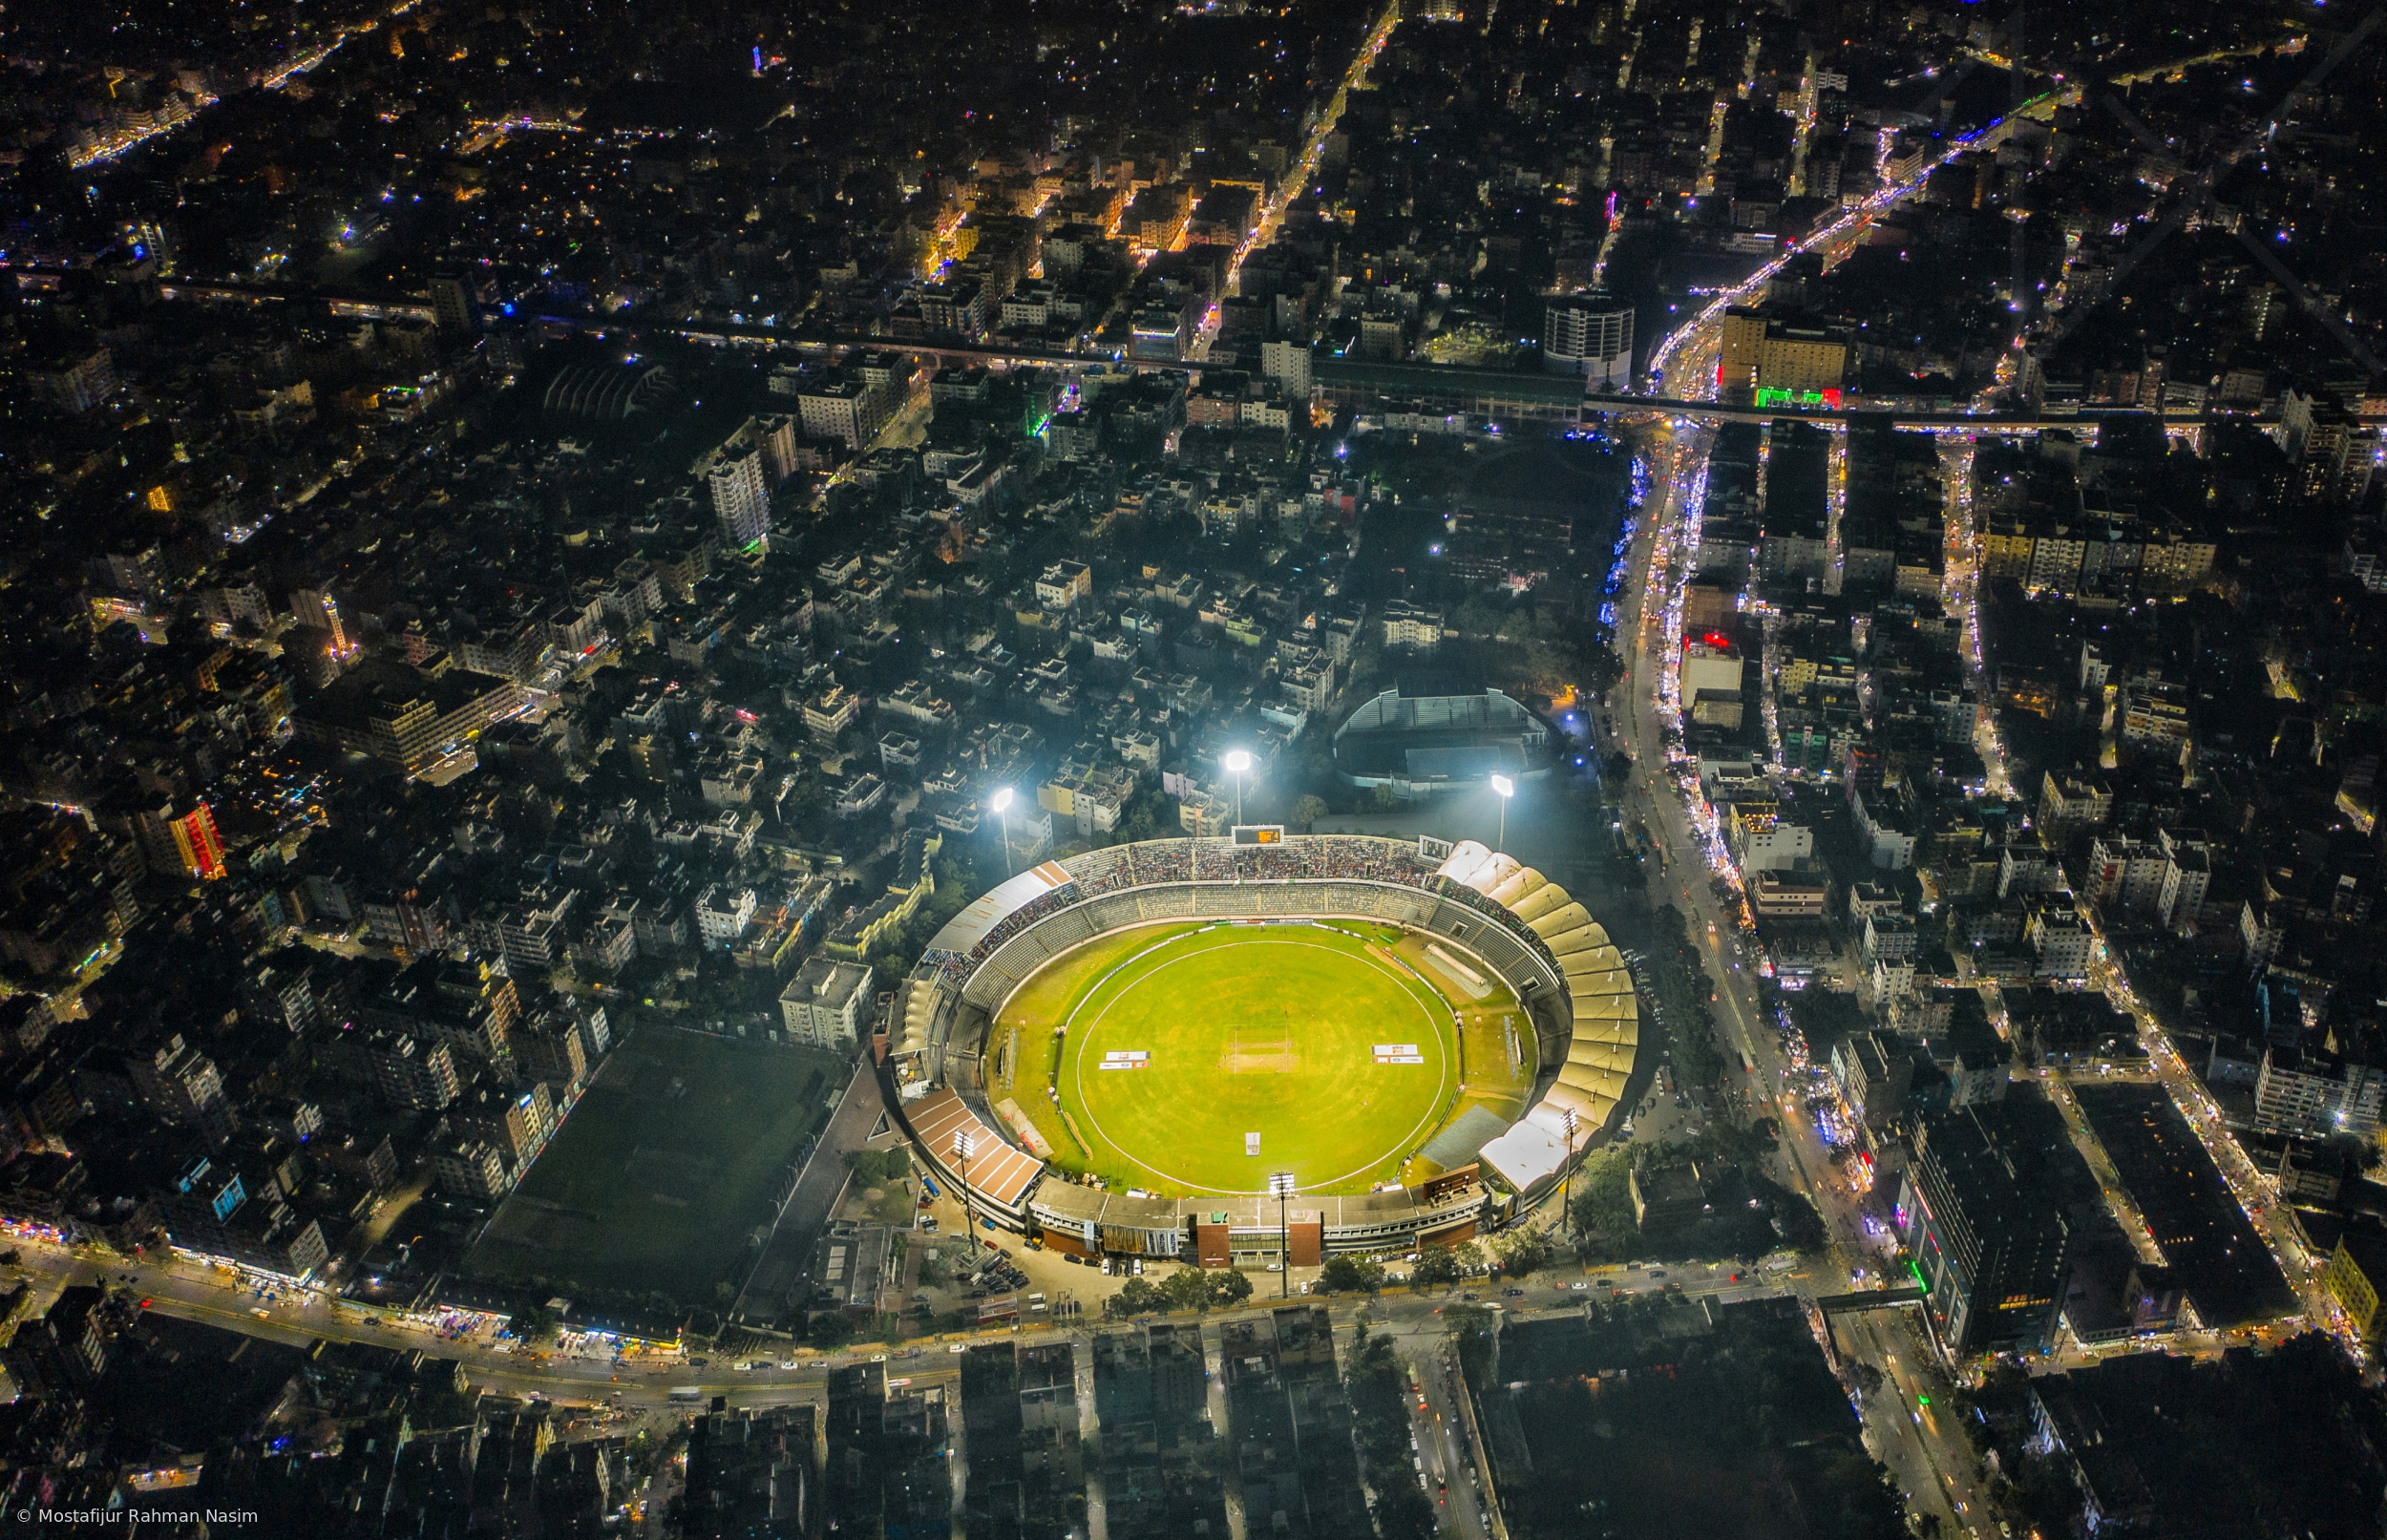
pixel 671 1159
pixel 1249 1030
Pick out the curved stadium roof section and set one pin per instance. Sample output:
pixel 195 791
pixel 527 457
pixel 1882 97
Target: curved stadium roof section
pixel 1572 982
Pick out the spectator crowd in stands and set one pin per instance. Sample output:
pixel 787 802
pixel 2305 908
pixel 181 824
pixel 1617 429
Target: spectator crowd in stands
pixel 1159 862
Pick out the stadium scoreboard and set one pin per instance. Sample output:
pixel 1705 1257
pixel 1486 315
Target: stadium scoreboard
pixel 1259 833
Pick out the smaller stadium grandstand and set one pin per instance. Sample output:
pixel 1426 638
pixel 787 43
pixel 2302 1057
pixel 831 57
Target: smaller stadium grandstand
pixel 1428 735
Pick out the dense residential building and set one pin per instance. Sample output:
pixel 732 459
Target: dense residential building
pixel 2318 1094
pixel 411 1074
pixel 741 500
pixel 827 1002
pixel 1406 625
pixel 844 408
pixel 183 1084
pixel 1991 1248
pixel 401 717
pixel 1591 335
pixel 1782 353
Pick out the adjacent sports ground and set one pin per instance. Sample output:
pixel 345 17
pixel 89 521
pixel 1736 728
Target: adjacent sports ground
pixel 665 1174
pixel 1203 1057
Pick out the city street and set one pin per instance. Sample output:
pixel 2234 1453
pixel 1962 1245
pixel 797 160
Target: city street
pixel 1446 1464
pixel 1804 1163
pixel 1932 1462
pixel 1296 179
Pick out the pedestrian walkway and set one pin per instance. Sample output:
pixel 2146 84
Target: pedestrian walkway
pixel 787 1254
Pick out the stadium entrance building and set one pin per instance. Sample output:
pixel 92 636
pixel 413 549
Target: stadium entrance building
pixel 1427 735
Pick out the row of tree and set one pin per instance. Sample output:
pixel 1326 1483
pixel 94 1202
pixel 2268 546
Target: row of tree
pixel 1188 1288
pixel 1513 1253
pixel 1681 979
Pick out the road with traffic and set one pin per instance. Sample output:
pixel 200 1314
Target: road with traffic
pixel 1931 1463
pixel 640 1387
pixel 1930 1460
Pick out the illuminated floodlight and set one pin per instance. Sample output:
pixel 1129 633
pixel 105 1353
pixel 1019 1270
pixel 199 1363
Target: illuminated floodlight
pixel 963 1147
pixel 1237 763
pixel 999 803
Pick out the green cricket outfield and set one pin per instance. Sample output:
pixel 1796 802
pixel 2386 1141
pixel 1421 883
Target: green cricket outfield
pixel 1205 1057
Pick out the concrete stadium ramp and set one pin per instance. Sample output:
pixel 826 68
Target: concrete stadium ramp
pixel 914 1013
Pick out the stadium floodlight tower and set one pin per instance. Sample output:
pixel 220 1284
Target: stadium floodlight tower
pixel 963 1145
pixel 1566 1191
pixel 1239 764
pixel 1507 788
pixel 1000 803
pixel 1280 1187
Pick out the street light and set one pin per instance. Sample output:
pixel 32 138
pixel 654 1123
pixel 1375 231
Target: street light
pixel 1237 762
pixel 1280 1187
pixel 1507 788
pixel 962 1145
pixel 1001 803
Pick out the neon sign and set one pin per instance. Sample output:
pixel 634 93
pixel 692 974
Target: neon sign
pixel 1776 396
